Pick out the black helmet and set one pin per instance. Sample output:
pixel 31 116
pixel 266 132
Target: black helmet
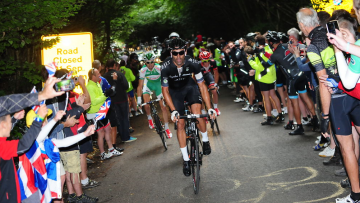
pixel 283 37
pixel 177 43
pixel 272 36
pixel 251 36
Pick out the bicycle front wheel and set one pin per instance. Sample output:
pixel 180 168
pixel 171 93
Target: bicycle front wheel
pixel 160 130
pixel 196 166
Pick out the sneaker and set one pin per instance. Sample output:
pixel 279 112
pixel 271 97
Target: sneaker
pixel 328 152
pixel 289 126
pixel 346 199
pixel 320 146
pixel 333 161
pixel 304 122
pixel 131 115
pixel 231 86
pixel 131 139
pixel 268 121
pixel 265 115
pixel 280 118
pixel 186 168
pixel 90 184
pixel 285 110
pixel 141 111
pixel 71 198
pixel 86 199
pixel 115 152
pixel 206 148
pixel 119 149
pixel 340 172
pixel 238 99
pixel 151 124
pixel 168 133
pixel 345 183
pixel 259 109
pixel 298 131
pixel 217 111
pixel 136 113
pixel 105 155
pixel 247 108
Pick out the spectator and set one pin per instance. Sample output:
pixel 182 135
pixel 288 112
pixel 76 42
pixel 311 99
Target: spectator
pixel 130 77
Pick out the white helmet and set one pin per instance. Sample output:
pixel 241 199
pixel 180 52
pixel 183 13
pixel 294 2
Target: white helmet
pixel 174 34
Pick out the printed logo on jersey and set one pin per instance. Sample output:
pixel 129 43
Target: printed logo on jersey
pixel 165 80
pixel 187 68
pixel 352 61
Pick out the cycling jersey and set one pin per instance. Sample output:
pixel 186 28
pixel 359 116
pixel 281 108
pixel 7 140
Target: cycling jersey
pixel 175 78
pixel 152 80
pixel 321 54
pixel 212 66
pixel 286 60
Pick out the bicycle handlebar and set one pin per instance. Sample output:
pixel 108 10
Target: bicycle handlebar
pixel 191 116
pixel 156 100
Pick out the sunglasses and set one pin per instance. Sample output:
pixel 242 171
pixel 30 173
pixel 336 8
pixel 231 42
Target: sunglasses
pixel 177 53
pixel 149 62
pixel 204 61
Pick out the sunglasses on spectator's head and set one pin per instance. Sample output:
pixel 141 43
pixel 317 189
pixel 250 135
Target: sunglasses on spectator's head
pixel 204 61
pixel 149 62
pixel 176 53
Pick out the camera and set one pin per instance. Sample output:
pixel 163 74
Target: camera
pixel 65 85
pixel 332 26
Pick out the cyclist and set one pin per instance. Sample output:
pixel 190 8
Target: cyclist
pixel 178 86
pixel 149 81
pixel 208 65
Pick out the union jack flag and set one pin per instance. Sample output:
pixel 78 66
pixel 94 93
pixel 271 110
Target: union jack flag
pixel 101 114
pixel 36 108
pixel 51 68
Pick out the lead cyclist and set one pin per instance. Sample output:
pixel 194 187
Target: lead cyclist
pixel 179 86
pixel 149 81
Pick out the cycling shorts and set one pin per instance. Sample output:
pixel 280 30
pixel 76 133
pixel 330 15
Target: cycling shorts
pixel 131 94
pixel 243 79
pixel 190 93
pixel 149 87
pixel 296 86
pixel 280 79
pixel 343 110
pixel 266 87
pixel 209 79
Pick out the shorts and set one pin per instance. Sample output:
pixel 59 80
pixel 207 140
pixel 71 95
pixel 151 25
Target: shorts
pixel 296 86
pixel 86 145
pixel 209 79
pixel 71 161
pixel 189 93
pixel 243 79
pixel 131 94
pixel 343 110
pixel 101 124
pixel 221 69
pixel 266 87
pixel 280 78
pixel 150 87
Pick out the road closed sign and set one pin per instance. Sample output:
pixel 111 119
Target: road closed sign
pixel 73 52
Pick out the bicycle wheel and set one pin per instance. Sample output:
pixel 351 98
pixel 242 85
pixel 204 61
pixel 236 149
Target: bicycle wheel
pixel 196 166
pixel 160 130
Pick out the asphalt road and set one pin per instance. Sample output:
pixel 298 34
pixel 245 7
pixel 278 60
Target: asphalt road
pixel 248 163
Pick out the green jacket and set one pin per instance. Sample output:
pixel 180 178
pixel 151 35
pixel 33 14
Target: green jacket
pixel 270 74
pixel 217 57
pixel 129 77
pixel 96 95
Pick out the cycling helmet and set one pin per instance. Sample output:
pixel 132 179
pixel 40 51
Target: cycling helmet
pixel 177 43
pixel 174 34
pixel 272 36
pixel 283 37
pixel 251 36
pixel 149 56
pixel 205 55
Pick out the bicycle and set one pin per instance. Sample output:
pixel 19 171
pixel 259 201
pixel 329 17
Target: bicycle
pixel 214 122
pixel 157 122
pixel 193 143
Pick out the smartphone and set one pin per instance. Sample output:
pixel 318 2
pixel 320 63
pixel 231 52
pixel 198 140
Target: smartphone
pixel 332 26
pixel 65 85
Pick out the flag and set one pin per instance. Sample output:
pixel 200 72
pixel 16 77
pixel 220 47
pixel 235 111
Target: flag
pixel 69 74
pixel 51 155
pixel 32 174
pixel 101 114
pixel 51 68
pixel 36 108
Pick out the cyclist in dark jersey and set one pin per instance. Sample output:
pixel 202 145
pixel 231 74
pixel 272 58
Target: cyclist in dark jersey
pixel 207 66
pixel 296 82
pixel 178 86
